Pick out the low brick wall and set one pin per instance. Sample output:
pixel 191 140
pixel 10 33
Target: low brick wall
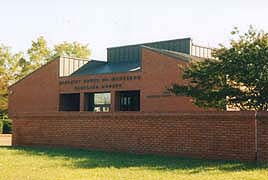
pixel 262 136
pixel 210 135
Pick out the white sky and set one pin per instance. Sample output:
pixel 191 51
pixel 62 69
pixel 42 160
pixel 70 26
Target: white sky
pixel 104 24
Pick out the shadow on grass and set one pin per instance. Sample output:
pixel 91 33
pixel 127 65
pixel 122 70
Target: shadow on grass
pixel 98 159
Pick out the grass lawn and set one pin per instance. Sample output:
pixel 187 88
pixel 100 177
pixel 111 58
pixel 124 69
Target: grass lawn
pixel 23 163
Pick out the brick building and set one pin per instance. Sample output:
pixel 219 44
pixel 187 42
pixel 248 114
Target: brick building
pixel 134 78
pixel 123 105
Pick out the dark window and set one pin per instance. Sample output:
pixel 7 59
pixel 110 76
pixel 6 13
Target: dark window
pixel 98 102
pixel 69 102
pixel 128 100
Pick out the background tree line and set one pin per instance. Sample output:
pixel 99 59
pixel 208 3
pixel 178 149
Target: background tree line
pixel 16 65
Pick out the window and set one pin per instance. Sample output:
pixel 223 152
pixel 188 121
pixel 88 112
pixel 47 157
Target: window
pixel 128 100
pixel 98 102
pixel 69 102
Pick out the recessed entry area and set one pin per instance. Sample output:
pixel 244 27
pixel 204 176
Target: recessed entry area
pixel 98 102
pixel 69 102
pixel 128 100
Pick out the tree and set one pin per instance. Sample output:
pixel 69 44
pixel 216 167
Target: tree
pixel 39 53
pixel 12 67
pixel 236 77
pixel 73 49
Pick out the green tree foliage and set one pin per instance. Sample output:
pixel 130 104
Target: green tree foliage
pixel 39 53
pixel 73 49
pixel 14 66
pixel 237 76
pixel 7 126
pixel 1 126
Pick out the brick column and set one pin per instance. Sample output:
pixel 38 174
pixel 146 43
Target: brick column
pixel 82 102
pixel 113 101
pixel 14 132
pixel 262 137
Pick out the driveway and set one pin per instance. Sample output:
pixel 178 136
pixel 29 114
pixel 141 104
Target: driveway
pixel 5 139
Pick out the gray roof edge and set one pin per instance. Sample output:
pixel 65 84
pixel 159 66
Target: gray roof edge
pixel 140 44
pixel 73 57
pixel 174 54
pixel 98 61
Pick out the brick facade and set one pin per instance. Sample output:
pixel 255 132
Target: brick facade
pixel 39 92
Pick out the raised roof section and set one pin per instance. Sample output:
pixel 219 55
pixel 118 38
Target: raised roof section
pixel 68 65
pixel 128 58
pixel 132 53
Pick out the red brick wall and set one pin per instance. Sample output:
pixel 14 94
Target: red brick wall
pixel 159 72
pixel 37 92
pixel 262 134
pixel 215 135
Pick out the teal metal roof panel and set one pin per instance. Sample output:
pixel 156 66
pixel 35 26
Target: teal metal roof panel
pixel 100 67
pixel 132 53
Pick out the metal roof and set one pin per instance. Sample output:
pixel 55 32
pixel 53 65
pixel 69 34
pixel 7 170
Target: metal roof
pixel 94 67
pixel 133 52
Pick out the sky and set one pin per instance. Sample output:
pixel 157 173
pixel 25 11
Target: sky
pixel 103 24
